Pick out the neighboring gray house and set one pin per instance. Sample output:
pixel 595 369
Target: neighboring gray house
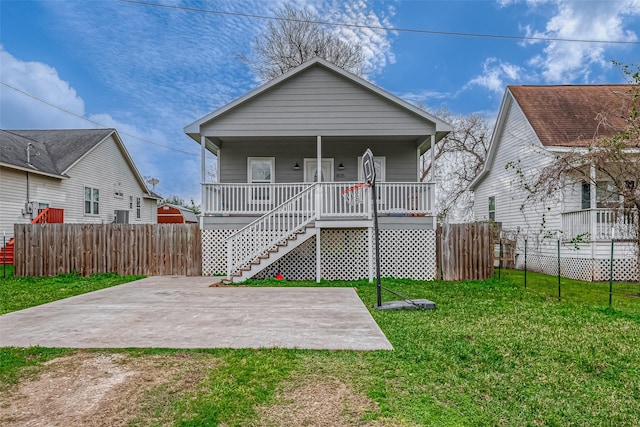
pixel 535 125
pixel 87 173
pixel 271 211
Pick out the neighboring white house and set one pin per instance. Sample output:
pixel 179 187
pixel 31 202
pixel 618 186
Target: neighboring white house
pixel 536 124
pixel 86 172
pixel 288 152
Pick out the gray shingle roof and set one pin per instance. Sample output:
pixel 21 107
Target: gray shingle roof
pixel 51 151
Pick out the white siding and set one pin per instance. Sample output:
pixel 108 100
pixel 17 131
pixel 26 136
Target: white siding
pixel 317 102
pixel 519 146
pixel 13 196
pixel 104 168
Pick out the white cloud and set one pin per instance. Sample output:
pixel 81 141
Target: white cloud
pixel 20 111
pixel 17 111
pixel 496 74
pixel 567 62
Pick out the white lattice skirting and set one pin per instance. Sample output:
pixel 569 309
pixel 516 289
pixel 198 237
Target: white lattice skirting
pixel 344 255
pixel 586 269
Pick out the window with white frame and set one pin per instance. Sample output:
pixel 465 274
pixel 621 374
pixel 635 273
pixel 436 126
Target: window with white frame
pixel 261 170
pixel 91 201
pixel 138 207
pixel 492 208
pixel 380 163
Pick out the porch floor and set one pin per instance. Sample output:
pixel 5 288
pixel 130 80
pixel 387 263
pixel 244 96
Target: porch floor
pixel 184 312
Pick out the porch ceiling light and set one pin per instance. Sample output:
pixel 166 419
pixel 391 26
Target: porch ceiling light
pixel 296 166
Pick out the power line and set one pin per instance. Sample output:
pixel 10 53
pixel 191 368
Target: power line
pixel 96 123
pixel 380 27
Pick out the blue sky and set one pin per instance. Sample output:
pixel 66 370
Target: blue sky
pixel 149 71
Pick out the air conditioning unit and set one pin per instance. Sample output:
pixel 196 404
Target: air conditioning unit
pixel 121 217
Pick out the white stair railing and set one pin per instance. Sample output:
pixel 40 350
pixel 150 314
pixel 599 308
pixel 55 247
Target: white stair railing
pixel 271 229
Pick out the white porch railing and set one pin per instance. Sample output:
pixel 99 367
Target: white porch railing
pixel 274 227
pixel 403 198
pixel 599 223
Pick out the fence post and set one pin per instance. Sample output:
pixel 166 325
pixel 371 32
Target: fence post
pixel 525 263
pixel 558 269
pixel 611 268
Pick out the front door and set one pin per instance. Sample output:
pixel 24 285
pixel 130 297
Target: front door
pixel 311 170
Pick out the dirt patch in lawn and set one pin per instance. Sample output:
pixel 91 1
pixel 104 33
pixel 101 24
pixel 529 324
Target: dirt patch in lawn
pixel 95 389
pixel 317 402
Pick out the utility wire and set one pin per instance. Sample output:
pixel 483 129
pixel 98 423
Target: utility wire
pixel 96 123
pixel 380 27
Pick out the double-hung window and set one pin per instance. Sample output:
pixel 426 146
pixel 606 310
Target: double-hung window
pixel 91 201
pixel 138 206
pixel 261 170
pixel 492 208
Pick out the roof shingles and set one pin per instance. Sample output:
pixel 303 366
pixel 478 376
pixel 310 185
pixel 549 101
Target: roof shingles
pixel 573 116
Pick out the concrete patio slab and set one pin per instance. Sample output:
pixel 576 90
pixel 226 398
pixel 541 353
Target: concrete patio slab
pixel 184 312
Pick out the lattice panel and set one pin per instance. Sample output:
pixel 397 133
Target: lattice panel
pixel 408 254
pixel 299 264
pixel 345 254
pixel 624 270
pixel 584 269
pixel 214 251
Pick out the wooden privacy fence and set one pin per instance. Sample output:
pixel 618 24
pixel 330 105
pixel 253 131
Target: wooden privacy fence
pixel 148 249
pixel 465 251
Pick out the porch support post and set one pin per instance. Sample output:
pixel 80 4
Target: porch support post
pixel 203 177
pixel 419 165
pixel 433 158
pixel 318 256
pixel 319 176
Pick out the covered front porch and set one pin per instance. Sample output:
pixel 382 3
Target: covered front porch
pixel 334 199
pixel 600 224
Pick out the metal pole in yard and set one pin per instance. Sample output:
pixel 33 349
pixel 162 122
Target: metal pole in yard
pixel 611 268
pixel 525 263
pixel 558 269
pixel 500 257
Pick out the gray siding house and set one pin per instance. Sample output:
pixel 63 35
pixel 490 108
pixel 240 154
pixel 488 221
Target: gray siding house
pixel 289 154
pixel 86 173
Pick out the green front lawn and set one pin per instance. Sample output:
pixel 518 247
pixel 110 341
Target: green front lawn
pixel 492 353
pixel 17 293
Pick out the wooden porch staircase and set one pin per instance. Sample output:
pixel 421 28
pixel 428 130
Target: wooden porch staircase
pixel 272 255
pixel 45 216
pixel 6 253
pixel 266 240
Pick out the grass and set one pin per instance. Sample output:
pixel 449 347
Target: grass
pixel 17 293
pixel 492 353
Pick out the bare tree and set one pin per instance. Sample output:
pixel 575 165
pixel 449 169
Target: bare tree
pixel 459 158
pixel 296 37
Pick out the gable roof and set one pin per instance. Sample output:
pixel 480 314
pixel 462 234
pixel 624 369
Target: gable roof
pixel 54 152
pixel 442 128
pixel 563 116
pixel 573 115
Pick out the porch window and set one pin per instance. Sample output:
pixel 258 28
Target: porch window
pixel 492 208
pixel 607 195
pixel 91 201
pixel 586 195
pixel 380 163
pixel 261 171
